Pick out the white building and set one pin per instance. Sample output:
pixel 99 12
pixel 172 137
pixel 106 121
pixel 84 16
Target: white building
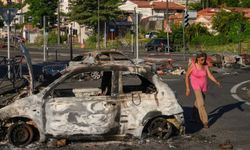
pixel 155 8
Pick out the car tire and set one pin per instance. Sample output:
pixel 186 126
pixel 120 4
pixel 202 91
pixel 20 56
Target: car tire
pixel 20 134
pixel 160 128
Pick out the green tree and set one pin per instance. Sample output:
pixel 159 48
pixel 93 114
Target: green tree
pixel 224 21
pixel 176 35
pixel 245 3
pixel 232 3
pixel 195 6
pixel 38 9
pixel 85 12
pixel 203 4
pixel 196 30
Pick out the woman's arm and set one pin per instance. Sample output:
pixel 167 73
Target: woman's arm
pixel 189 70
pixel 211 77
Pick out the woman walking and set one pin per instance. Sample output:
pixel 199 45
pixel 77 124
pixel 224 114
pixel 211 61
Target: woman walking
pixel 198 72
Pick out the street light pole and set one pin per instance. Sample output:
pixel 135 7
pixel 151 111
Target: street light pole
pixel 58 23
pixel 44 39
pixel 183 28
pixel 71 43
pixel 137 35
pixel 167 19
pixel 98 26
pixel 8 28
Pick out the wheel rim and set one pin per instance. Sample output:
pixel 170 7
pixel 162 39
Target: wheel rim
pixel 160 128
pixel 20 134
pixel 95 75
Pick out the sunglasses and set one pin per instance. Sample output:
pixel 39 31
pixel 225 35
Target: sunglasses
pixel 201 59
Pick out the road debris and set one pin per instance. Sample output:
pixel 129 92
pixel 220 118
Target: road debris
pixel 226 145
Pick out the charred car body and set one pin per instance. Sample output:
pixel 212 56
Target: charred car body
pixel 125 100
pixel 96 57
pixel 102 56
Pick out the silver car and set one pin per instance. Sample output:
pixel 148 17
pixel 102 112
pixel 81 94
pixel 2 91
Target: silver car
pixel 125 100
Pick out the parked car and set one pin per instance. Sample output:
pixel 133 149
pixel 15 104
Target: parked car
pixel 51 72
pixel 158 45
pixel 126 100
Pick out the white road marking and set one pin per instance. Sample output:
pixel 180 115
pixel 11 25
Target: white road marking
pixel 235 96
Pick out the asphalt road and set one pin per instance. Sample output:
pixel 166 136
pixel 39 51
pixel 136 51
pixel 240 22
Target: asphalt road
pixel 228 118
pixel 64 54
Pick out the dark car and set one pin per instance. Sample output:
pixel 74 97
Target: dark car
pixel 50 72
pixel 158 45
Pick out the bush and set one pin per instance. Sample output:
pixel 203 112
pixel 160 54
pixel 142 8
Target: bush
pixel 210 40
pixel 52 37
pixel 39 40
pixel 64 38
pixel 91 41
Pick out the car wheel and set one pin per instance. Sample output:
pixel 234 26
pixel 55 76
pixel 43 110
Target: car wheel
pixel 95 75
pixel 160 128
pixel 20 134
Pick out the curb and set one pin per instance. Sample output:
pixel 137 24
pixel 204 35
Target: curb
pixel 234 92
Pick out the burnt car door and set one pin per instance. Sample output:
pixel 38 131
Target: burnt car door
pixel 82 107
pixel 138 97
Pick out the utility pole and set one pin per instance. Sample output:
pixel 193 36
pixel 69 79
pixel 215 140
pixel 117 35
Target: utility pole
pixel 71 43
pixel 137 36
pixel 167 20
pixel 58 23
pixel 105 35
pixel 133 31
pixel 183 28
pixel 44 39
pixel 98 24
pixel 8 28
pixel 8 15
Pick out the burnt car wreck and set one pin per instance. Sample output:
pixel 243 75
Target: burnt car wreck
pixel 127 99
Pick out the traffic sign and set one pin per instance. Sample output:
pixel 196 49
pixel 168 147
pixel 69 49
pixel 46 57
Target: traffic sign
pixel 8 14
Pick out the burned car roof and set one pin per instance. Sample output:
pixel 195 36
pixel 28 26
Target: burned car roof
pixel 141 69
pixel 101 56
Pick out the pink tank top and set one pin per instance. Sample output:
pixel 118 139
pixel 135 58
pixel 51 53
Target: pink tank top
pixel 198 78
